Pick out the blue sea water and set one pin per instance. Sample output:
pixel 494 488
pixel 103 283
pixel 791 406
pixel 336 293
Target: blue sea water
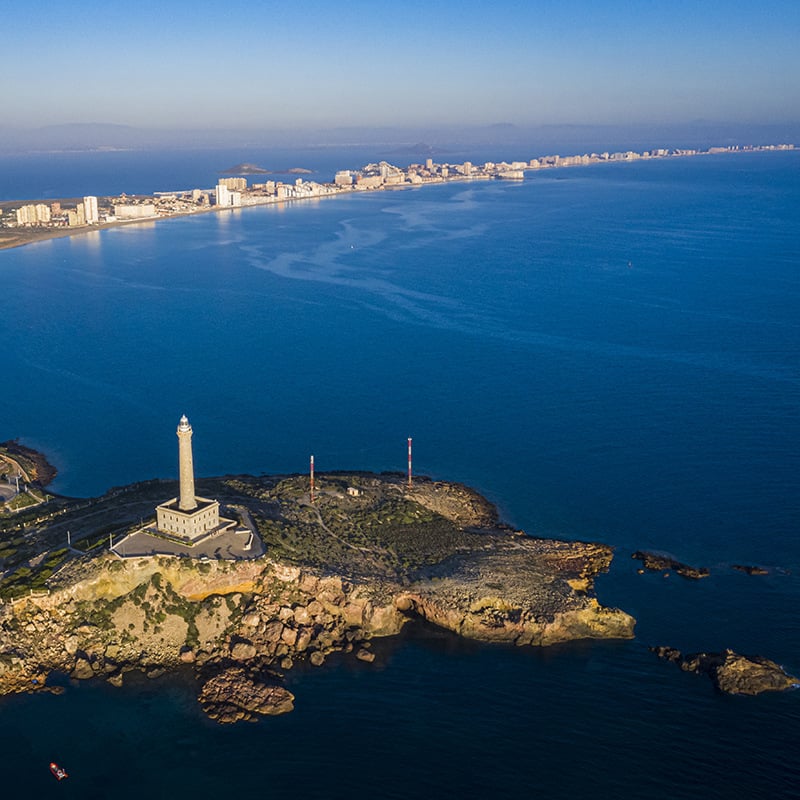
pixel 608 353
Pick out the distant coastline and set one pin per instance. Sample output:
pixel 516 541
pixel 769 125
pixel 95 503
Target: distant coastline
pixel 24 223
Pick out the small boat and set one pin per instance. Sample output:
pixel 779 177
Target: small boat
pixel 59 772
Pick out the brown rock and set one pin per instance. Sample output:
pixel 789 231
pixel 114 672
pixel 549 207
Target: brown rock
pixel 317 658
pixel 243 651
pixel 251 620
pixel 301 616
pixel 308 584
pixel 750 570
pixel 353 613
pixel 751 675
pixel 71 644
pixel 82 669
pixel 365 655
pixel 289 636
pixel 273 631
pixel 234 695
pixel 658 563
pixel 668 654
pixel 315 608
pixel 304 636
pixel 331 590
pixel 731 672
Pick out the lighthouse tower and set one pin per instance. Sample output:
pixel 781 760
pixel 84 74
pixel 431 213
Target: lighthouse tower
pixel 188 516
pixel 188 502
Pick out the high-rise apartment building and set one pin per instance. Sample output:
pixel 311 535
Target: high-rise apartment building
pixel 234 184
pixel 76 217
pixel 223 195
pixel 343 178
pixel 38 214
pixel 90 210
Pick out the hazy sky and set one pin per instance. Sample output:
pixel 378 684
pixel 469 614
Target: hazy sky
pixel 228 63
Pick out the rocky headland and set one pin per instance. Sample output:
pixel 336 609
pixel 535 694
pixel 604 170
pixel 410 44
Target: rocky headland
pixel 368 555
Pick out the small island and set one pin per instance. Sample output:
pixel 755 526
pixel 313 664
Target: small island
pixel 95 588
pixel 245 169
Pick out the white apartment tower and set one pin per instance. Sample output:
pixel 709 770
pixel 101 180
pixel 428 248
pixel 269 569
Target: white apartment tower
pixel 223 195
pixel 90 210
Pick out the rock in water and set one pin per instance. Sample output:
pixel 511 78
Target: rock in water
pixel 750 570
pixel 365 655
pixel 731 672
pixel 654 562
pixel 234 695
pixel 739 674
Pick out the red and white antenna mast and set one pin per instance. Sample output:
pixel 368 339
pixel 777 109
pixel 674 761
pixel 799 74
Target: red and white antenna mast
pixel 312 478
pixel 409 462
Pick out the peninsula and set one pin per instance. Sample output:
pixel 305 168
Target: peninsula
pixel 26 222
pixel 240 577
pixel 355 557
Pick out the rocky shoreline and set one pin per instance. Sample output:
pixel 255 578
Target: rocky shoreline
pixel 337 573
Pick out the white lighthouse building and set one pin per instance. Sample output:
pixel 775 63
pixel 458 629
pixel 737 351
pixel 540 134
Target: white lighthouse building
pixel 188 516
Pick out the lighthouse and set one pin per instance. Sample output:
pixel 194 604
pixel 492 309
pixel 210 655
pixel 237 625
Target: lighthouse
pixel 188 516
pixel 188 501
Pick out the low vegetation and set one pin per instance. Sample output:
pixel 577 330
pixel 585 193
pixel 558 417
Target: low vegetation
pixel 358 524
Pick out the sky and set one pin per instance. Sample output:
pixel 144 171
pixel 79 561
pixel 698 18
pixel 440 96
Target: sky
pixel 301 63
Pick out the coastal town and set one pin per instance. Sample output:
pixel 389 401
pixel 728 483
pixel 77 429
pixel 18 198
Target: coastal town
pixel 25 222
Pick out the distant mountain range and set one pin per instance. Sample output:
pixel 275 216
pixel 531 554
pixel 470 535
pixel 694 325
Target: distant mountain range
pixel 427 141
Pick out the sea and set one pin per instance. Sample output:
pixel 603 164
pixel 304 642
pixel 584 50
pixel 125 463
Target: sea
pixel 608 353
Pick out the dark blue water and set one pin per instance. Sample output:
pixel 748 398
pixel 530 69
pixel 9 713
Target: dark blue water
pixel 608 353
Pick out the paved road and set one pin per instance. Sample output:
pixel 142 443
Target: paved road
pixel 12 462
pixel 227 545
